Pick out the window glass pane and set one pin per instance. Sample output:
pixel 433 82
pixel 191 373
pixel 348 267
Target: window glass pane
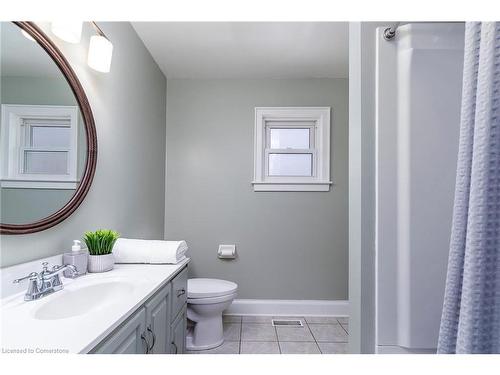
pixel 46 162
pixel 289 138
pixel 50 136
pixel 290 164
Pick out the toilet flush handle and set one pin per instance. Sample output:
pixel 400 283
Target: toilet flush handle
pixel 181 292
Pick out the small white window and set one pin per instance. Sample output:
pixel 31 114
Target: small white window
pixel 39 146
pixel 292 149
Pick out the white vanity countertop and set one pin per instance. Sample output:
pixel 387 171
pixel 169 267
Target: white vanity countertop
pixel 22 328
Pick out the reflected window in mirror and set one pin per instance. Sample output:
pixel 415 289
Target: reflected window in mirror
pixel 39 146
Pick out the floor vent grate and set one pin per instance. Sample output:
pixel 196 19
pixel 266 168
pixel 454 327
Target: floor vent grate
pixel 287 323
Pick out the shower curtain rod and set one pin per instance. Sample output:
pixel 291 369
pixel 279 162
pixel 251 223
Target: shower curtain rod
pixel 390 32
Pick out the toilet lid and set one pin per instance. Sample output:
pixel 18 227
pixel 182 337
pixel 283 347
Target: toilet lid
pixel 204 288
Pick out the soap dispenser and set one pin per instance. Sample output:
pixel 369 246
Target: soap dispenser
pixel 77 258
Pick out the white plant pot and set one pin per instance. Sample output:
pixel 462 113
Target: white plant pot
pixel 101 263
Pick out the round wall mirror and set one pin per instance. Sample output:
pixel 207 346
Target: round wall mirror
pixel 48 142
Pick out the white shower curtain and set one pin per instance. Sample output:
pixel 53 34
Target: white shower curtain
pixel 470 321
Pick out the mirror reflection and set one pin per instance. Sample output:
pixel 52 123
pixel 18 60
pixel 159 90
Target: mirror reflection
pixel 42 137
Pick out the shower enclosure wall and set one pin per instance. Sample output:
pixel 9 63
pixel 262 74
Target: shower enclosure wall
pixel 419 78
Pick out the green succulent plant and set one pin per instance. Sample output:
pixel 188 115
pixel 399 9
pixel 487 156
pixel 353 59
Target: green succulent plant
pixel 101 241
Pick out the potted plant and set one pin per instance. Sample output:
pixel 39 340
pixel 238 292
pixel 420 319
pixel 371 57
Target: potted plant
pixel 100 246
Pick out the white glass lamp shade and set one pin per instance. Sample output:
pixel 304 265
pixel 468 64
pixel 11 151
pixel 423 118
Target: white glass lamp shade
pixel 100 53
pixel 70 32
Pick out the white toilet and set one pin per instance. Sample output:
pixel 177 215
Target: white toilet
pixel 207 299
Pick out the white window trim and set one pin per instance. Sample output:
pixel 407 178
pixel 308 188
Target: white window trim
pixel 10 143
pixel 320 181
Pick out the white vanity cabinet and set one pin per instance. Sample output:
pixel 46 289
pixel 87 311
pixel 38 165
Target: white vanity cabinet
pixel 156 327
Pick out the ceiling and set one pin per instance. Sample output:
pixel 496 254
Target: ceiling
pixel 247 49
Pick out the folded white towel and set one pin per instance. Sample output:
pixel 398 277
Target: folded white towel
pixel 128 250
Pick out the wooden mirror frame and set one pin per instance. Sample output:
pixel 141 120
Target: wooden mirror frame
pixel 88 119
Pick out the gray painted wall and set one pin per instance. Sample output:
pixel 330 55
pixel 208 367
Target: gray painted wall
pixel 129 186
pixel 21 206
pixel 36 90
pixel 291 245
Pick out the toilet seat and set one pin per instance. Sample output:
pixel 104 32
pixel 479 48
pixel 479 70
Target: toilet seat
pixel 202 288
pixel 211 300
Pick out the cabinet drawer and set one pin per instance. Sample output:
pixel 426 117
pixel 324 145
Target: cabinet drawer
pixel 179 292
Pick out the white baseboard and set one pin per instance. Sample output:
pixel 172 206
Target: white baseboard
pixel 277 307
pixel 394 349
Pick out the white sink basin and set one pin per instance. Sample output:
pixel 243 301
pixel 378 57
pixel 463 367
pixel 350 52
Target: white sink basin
pixel 86 311
pixel 71 303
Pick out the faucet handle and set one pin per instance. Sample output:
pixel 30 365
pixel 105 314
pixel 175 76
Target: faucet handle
pixel 32 275
pixel 56 270
pixel 45 269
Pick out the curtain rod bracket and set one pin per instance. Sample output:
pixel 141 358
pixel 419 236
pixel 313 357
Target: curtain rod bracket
pixel 389 33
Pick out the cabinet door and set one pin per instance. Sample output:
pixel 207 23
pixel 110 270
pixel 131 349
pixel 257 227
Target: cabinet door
pixel 178 333
pixel 158 320
pixel 127 339
pixel 179 292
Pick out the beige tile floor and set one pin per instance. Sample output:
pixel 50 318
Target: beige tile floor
pixel 256 335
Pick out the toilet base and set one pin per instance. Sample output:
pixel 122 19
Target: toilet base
pixel 205 320
pixel 205 334
pixel 191 347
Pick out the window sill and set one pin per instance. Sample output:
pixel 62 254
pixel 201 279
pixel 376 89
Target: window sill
pixel 28 184
pixel 292 186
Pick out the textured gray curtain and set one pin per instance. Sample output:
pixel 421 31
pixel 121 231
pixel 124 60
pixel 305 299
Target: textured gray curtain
pixel 470 321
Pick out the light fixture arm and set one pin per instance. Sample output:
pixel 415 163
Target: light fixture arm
pixel 98 30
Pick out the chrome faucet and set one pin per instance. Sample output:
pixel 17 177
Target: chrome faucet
pixel 46 282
